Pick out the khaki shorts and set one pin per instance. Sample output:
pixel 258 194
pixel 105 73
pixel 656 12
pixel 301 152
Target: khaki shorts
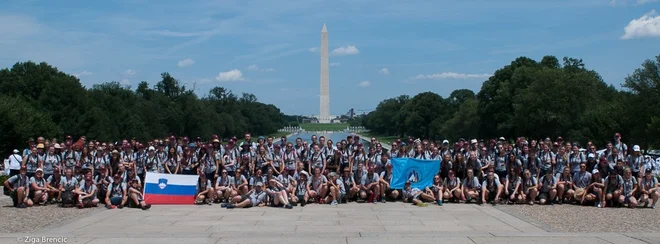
pixel 579 192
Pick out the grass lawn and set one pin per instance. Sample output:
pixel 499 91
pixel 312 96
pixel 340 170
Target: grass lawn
pixel 382 139
pixel 324 127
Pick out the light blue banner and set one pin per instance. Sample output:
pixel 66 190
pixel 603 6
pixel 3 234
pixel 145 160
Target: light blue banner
pixel 419 172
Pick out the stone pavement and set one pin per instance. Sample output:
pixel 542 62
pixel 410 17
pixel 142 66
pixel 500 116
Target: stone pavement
pixel 345 224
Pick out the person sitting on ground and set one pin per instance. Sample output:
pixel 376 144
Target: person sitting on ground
pixel 613 189
pixel 370 187
pixel 240 186
pixel 490 189
pixel 38 188
pixel 529 188
pixel 68 185
pixel 204 190
pixel 116 195
pixel 254 198
pixel 648 186
pixel 336 189
pixel 319 186
pixel 352 187
pixel 548 185
pixel 53 183
pixel 87 192
pixel 629 189
pixel 415 195
pixel 135 195
pixel 471 187
pixel 302 189
pixel 277 194
pixel 436 189
pixel 512 187
pixel 223 186
pixel 451 188
pixel 19 188
pixel 594 192
pixel 581 180
pixel 102 181
pixel 565 191
pixel 288 182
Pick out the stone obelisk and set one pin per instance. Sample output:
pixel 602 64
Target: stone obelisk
pixel 324 115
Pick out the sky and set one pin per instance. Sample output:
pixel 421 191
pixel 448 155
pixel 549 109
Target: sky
pixel 378 49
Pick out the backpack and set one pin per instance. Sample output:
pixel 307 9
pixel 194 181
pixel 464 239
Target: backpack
pixel 67 199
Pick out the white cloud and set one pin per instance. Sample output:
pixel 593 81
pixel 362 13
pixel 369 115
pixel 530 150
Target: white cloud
pixel 125 82
pixel 364 83
pixel 255 67
pixel 334 64
pixel 186 62
pixel 384 71
pixel 129 72
pixel 81 74
pixel 345 50
pixel 451 75
pixel 646 26
pixel 232 75
pixel 313 49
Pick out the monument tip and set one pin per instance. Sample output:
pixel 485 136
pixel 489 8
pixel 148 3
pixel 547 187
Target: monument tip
pixel 324 29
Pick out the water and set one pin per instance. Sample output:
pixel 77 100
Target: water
pixel 334 136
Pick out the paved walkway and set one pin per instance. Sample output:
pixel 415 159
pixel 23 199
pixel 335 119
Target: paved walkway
pixel 346 224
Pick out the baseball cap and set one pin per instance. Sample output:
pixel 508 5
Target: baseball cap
pixel 473 141
pixel 501 138
pixel 591 155
pixel 216 140
pixel 152 148
pixel 16 151
pixel 636 148
pixel 445 142
pixel 595 171
pixel 40 146
pixel 39 169
pixel 648 170
pixel 259 184
pixel 602 160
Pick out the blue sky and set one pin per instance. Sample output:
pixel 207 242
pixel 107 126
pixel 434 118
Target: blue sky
pixel 379 49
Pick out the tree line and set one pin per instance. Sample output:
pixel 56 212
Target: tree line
pixel 38 100
pixel 534 99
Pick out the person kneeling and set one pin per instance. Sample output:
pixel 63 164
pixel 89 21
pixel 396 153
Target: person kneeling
pixel 87 192
pixel 491 190
pixel 370 186
pixel 548 185
pixel 256 197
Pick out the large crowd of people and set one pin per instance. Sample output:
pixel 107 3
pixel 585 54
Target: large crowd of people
pixel 246 173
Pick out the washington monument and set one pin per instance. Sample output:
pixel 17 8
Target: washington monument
pixel 324 115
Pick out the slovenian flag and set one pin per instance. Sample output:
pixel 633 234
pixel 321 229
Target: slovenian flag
pixel 170 189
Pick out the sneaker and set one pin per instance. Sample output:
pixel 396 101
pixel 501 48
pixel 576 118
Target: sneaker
pixel 653 206
pixel 120 206
pixel 109 206
pixel 334 203
pixel 303 203
pixel 224 205
pixel 382 200
pixel 230 206
pixel 439 202
pixel 209 203
pixel 288 206
pixel 598 205
pixel 21 205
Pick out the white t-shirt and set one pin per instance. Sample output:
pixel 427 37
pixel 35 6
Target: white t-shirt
pixel 15 161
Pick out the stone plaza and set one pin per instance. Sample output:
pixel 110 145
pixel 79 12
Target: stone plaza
pixel 346 223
